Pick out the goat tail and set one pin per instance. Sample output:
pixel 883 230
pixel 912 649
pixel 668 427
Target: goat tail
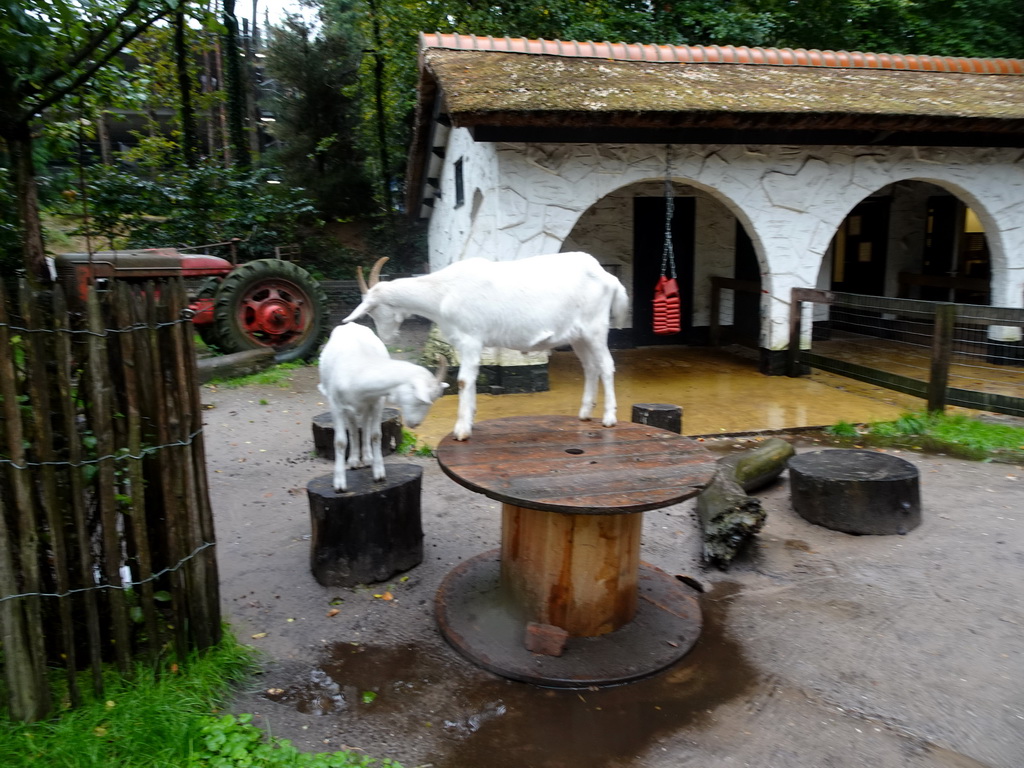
pixel 620 305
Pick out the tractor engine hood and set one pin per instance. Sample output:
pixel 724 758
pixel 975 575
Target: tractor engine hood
pixel 141 264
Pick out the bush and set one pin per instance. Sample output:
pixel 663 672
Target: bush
pixel 197 206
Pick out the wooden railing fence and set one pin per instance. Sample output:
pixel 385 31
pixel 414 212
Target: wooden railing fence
pixel 950 339
pixel 106 532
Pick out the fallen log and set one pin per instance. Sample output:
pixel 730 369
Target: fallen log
pixel 729 518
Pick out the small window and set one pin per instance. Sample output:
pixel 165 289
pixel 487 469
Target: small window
pixel 460 186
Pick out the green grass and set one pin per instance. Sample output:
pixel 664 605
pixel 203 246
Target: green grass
pixel 955 434
pixel 170 720
pixel 410 446
pixel 278 375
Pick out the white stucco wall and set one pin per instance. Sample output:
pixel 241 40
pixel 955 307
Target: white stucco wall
pixel 790 200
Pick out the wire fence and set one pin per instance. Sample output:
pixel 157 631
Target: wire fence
pixel 106 533
pixel 947 354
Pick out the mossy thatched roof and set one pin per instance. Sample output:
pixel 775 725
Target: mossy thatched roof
pixel 496 88
pixel 513 89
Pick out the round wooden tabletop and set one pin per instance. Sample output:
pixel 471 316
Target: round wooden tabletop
pixel 562 464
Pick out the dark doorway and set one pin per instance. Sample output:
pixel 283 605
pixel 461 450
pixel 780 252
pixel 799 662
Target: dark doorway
pixel 860 250
pixel 648 248
pixel 746 317
pixel 955 251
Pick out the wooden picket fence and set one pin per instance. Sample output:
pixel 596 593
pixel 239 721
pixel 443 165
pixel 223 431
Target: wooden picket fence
pixel 106 533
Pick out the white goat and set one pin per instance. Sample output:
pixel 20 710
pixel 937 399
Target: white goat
pixel 535 303
pixel 357 376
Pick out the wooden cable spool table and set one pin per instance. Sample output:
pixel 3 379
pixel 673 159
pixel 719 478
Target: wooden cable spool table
pixel 569 566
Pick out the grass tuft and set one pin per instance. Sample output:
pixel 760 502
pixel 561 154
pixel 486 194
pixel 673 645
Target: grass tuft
pixel 955 434
pixel 165 719
pixel 147 721
pixel 278 375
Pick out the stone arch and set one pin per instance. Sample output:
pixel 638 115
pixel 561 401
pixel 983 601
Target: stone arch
pixel 606 228
pixel 977 200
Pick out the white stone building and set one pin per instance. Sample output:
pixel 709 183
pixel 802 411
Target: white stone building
pixel 789 168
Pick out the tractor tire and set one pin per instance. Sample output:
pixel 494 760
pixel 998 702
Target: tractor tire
pixel 208 331
pixel 270 303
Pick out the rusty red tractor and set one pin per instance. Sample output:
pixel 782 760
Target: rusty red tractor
pixel 263 303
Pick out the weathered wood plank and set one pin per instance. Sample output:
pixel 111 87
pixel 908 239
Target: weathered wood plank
pixel 561 464
pixel 24 665
pixel 100 417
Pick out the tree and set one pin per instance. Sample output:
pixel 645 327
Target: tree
pixel 316 105
pixel 233 77
pixel 48 52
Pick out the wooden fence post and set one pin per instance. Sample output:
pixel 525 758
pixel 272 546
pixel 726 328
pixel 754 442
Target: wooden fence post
pixel 942 351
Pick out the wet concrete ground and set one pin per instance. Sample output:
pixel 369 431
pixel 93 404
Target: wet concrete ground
pixel 719 390
pixel 818 649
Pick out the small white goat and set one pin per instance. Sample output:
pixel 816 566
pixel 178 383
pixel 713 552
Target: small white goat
pixel 357 376
pixel 535 303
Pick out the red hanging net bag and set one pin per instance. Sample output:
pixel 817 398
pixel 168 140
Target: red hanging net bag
pixel 666 306
pixel 666 290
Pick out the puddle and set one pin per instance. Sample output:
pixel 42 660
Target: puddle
pixel 477 719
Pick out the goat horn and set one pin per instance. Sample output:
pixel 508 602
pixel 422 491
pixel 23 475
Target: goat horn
pixel 442 368
pixel 375 271
pixel 363 288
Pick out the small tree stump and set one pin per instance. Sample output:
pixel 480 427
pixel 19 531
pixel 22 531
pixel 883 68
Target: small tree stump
pixel 856 491
pixel 661 415
pixel 323 433
pixel 371 531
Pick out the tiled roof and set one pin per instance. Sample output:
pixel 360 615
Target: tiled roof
pixel 723 54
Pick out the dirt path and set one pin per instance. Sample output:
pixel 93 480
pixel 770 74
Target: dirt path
pixel 819 648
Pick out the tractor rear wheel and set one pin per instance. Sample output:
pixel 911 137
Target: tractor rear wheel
pixel 270 303
pixel 208 331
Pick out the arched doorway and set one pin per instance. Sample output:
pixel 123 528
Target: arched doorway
pixel 912 239
pixel 625 230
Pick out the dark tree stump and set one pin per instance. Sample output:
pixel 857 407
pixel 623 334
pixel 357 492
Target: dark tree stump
pixel 661 415
pixel 371 531
pixel 323 433
pixel 855 491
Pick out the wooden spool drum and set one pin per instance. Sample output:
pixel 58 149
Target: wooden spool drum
pixel 566 601
pixel 577 572
pixel 856 491
pixel 369 532
pixel 323 433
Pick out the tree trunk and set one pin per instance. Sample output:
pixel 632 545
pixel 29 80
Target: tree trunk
pixel 235 87
pixel 189 141
pixel 728 516
pixel 19 145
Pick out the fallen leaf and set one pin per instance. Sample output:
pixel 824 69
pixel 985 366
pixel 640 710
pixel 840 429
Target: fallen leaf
pixel 385 596
pixel 275 691
pixel 258 635
pixel 333 612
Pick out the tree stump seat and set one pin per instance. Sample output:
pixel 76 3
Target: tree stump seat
pixel 371 531
pixel 323 433
pixel 856 491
